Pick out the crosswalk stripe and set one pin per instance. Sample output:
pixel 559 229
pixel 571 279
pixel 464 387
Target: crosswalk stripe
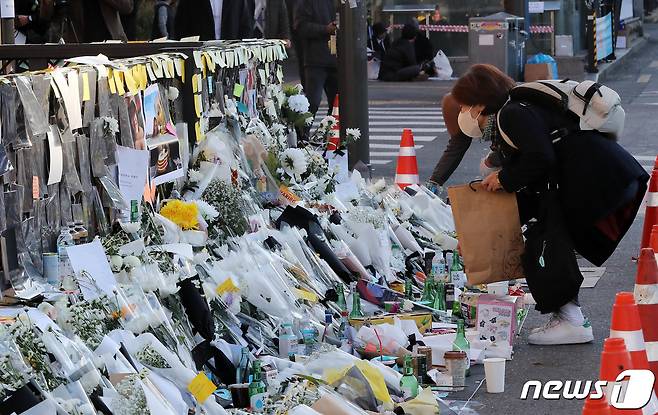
pixel 648 168
pixel 414 130
pixel 645 158
pixel 391 146
pixel 421 138
pixel 380 162
pixel 432 122
pixel 392 153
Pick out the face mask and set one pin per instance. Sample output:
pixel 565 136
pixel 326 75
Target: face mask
pixel 469 125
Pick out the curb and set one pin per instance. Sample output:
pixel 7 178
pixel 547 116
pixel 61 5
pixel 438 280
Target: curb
pixel 606 72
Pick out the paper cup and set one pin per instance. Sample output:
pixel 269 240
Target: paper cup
pixel 494 372
pixel 498 288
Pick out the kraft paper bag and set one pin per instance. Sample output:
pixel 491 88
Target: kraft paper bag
pixel 489 232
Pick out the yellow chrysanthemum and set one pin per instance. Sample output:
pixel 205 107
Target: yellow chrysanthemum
pixel 185 215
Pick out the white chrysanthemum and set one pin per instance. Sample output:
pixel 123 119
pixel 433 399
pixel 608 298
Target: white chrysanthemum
pixel 327 122
pixel 195 176
pixel 298 103
pixel 308 121
pixel 293 162
pixel 299 88
pixel 116 262
pixel 173 93
pixel 354 132
pixel 207 211
pixel 132 261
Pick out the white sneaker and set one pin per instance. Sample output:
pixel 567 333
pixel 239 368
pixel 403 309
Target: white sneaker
pixel 555 319
pixel 560 331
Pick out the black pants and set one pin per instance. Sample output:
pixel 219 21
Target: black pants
pixel 403 75
pixel 318 79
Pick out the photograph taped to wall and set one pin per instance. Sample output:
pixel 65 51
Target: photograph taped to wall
pixel 156 117
pixel 165 164
pixel 136 116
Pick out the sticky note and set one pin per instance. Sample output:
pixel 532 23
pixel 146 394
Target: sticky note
pixel 118 81
pixel 111 84
pixel 86 96
pixel 170 66
pixel 201 387
pixel 180 67
pixel 226 287
pixel 195 83
pixel 242 107
pixel 306 295
pixel 197 58
pixel 151 74
pixel 197 130
pixel 198 105
pixel 238 89
pixel 130 81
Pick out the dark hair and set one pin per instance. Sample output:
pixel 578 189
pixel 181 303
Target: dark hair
pixel 437 8
pixel 378 28
pixel 483 84
pixel 409 31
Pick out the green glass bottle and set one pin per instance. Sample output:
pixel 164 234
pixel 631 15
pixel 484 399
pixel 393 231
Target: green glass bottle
pixel 428 293
pixel 341 303
pixel 257 388
pixel 461 343
pixel 456 306
pixel 457 274
pixel 408 289
pixel 356 304
pixel 440 297
pixel 408 382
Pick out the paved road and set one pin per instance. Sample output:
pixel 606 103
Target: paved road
pixel 417 106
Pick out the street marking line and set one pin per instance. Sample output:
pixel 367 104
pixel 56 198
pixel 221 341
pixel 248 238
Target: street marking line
pixel 648 168
pixel 382 123
pixel 391 146
pixel 643 79
pixel 654 64
pixel 397 138
pixel 384 154
pixel 414 130
pixel 645 158
pixel 380 162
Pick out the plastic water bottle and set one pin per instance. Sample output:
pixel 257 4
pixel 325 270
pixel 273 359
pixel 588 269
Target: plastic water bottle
pixel 63 240
pixel 310 334
pixel 287 341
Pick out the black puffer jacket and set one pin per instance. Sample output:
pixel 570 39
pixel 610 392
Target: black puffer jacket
pixel 601 184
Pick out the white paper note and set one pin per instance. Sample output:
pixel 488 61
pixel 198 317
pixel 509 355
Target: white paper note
pixel 133 170
pixel 7 9
pixel 56 157
pixel 70 93
pixel 91 259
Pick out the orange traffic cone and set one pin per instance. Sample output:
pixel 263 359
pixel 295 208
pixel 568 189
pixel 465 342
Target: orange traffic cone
pixel 653 241
pixel 614 360
pixel 651 216
pixel 407 169
pixel 626 324
pixel 646 297
pixel 596 406
pixel 334 134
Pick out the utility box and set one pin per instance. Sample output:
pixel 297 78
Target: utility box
pixel 498 39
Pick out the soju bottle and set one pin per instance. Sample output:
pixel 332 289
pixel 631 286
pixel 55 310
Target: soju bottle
pixel 356 304
pixel 257 389
pixel 461 344
pixel 457 271
pixel 428 294
pixel 341 303
pixel 408 382
pixel 408 289
pixel 456 305
pixel 440 297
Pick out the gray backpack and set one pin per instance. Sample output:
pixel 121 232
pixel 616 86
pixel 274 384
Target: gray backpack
pixel 597 106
